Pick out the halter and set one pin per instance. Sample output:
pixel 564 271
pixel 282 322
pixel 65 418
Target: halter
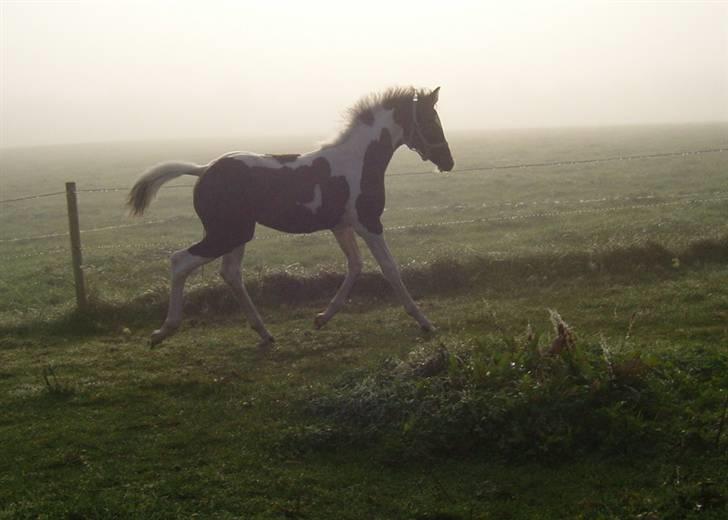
pixel 424 154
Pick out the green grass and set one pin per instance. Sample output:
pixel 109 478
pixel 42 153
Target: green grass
pixel 343 422
pixel 205 424
pixel 124 262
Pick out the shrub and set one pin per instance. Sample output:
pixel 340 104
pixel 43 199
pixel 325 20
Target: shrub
pixel 516 396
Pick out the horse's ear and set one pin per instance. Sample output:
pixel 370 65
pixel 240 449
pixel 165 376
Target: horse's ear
pixel 435 95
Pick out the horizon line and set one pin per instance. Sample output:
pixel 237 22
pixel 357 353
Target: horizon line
pixel 313 134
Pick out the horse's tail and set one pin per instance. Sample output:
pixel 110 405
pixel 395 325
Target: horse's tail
pixel 148 185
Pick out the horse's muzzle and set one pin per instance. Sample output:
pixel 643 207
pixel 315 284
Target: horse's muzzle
pixel 446 165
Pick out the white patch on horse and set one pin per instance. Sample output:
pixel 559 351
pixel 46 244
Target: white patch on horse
pixel 355 145
pixel 255 160
pixel 315 204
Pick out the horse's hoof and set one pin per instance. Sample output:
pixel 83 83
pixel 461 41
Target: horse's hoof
pixel 428 328
pixel 161 334
pixel 265 345
pixel 156 338
pixel 320 320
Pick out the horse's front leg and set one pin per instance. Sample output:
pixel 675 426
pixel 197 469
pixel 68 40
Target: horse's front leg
pixel 378 246
pixel 347 241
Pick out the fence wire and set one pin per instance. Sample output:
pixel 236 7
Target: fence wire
pixel 689 198
pixel 30 197
pixel 695 197
pixel 482 168
pixel 504 217
pixel 571 162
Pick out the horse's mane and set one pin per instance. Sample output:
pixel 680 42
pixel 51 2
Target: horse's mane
pixel 362 110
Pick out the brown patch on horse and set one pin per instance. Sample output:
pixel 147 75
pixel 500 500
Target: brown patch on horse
pixel 366 117
pixel 232 196
pixel 370 202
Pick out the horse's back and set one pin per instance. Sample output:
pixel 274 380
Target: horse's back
pixel 290 193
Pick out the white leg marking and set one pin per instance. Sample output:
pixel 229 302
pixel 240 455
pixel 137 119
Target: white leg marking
pixel 347 242
pixel 232 274
pixel 390 270
pixel 183 264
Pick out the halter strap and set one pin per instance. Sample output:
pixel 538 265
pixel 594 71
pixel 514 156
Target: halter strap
pixel 415 129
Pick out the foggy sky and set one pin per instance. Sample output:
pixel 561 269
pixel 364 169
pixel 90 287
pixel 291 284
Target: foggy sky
pixel 104 71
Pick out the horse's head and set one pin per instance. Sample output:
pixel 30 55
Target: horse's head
pixel 426 135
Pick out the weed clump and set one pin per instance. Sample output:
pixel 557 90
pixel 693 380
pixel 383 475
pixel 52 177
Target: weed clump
pixel 515 396
pixel 53 385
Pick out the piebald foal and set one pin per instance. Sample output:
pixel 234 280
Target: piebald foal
pixel 339 187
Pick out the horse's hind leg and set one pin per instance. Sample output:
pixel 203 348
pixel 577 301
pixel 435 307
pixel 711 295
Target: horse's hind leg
pixel 347 241
pixel 232 274
pixel 183 264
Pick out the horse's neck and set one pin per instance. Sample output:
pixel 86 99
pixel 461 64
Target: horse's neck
pixel 373 141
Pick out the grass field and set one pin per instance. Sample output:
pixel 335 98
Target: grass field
pixel 492 417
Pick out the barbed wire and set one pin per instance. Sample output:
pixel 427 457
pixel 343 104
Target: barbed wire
pixel 562 162
pixel 570 162
pixel 127 188
pixel 29 197
pixel 91 230
pixel 484 168
pixel 523 216
pixel 504 218
pixel 456 207
pixel 400 228
pixel 557 202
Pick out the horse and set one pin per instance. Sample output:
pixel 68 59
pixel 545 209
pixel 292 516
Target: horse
pixel 338 187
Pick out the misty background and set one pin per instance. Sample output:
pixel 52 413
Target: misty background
pixel 96 71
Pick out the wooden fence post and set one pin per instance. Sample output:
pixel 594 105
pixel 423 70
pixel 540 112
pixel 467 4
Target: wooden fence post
pixel 75 234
